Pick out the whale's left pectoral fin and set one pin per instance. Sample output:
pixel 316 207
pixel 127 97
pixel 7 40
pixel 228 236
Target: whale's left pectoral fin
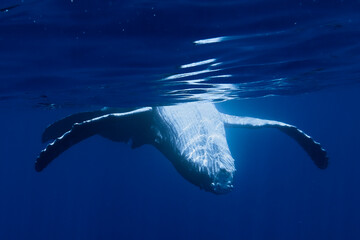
pixel 313 148
pixel 115 126
pixel 61 126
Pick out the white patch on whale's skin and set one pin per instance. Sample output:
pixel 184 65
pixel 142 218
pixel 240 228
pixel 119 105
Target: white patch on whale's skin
pixel 191 135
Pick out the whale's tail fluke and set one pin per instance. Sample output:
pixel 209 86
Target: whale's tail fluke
pixel 115 126
pixel 313 148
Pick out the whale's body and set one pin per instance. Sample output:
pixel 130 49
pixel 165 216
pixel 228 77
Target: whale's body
pixel 192 136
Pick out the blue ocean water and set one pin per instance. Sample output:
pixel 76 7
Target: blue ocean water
pixel 294 61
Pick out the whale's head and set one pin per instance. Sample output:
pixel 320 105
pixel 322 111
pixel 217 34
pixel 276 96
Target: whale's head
pixel 222 183
pixel 209 166
pixel 212 169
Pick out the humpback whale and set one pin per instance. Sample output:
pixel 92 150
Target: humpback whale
pixel 191 135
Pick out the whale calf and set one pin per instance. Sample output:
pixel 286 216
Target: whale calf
pixel 191 135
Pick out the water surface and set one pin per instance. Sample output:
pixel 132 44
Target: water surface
pixel 122 53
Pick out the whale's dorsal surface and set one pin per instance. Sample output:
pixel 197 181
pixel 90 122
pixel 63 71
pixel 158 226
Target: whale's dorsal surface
pixel 191 135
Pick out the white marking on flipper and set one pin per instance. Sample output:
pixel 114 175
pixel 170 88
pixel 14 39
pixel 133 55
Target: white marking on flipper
pixel 313 148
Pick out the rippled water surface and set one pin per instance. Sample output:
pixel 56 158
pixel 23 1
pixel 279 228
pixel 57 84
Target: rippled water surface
pixel 120 53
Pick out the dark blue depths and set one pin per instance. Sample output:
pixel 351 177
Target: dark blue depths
pixel 104 190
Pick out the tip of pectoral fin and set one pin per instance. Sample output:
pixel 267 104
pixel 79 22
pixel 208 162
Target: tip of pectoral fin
pixel 319 157
pixel 314 149
pixel 39 166
pixel 45 157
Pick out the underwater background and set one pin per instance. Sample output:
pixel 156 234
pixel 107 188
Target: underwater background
pixel 292 61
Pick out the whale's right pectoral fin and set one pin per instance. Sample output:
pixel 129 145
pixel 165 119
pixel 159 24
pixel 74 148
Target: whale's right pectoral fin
pixel 115 126
pixel 313 148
